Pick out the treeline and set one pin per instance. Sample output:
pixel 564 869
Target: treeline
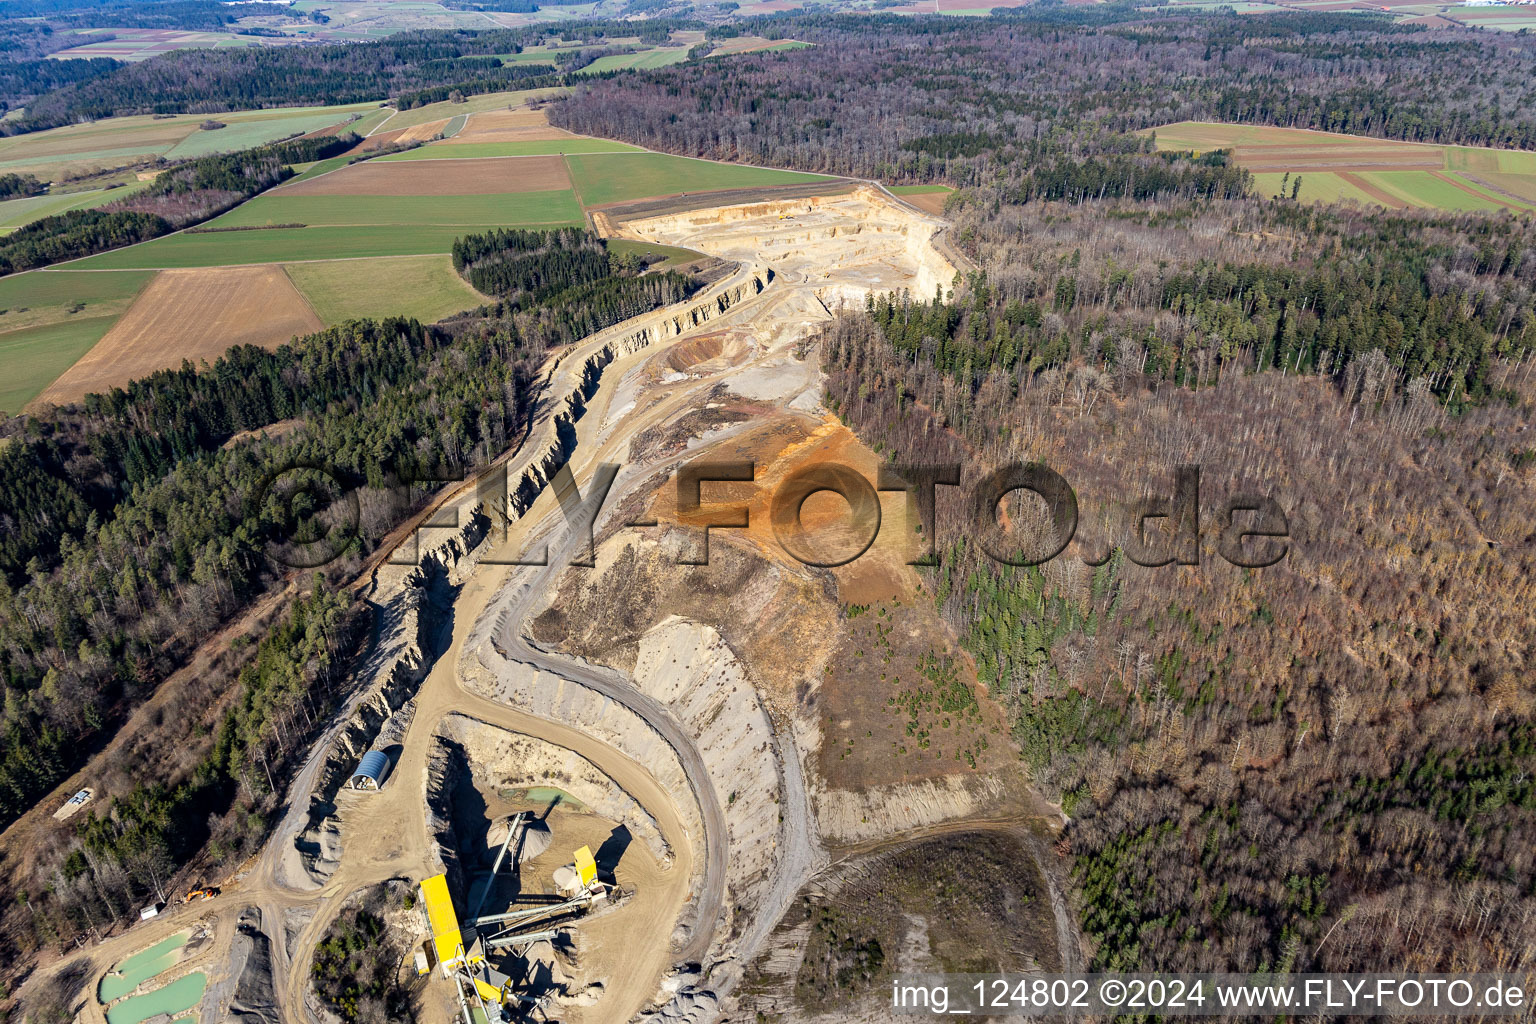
pixel 1046 98
pixel 89 630
pixel 130 850
pixel 1126 176
pixel 406 64
pixel 14 186
pixel 185 194
pixel 563 284
pixel 1307 767
pixel 527 76
pixel 131 529
pixel 76 233
pixel 84 463
pixel 32 29
pixel 1442 298
pixel 520 266
pixel 200 526
pixel 23 79
pixel 184 14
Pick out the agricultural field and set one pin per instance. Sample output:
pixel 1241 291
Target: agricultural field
pixel 555 207
pixel 640 61
pixel 15 213
pixel 348 240
pixel 1430 14
pixel 134 44
pixel 440 177
pixel 35 356
pixel 423 287
pixel 188 314
pixel 48 319
pixel 602 178
pixel 352 20
pixel 534 147
pixel 278 245
pixel 755 44
pixel 472 105
pixel 518 125
pixel 928 198
pixel 1385 172
pixel 82 149
pixel 961 8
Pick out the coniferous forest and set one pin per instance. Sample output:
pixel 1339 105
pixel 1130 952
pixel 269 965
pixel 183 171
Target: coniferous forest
pixel 1247 758
pixel 136 530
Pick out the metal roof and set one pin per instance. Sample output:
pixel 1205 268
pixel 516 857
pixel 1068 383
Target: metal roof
pixel 374 765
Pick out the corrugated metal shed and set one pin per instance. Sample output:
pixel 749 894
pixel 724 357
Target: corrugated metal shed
pixel 371 771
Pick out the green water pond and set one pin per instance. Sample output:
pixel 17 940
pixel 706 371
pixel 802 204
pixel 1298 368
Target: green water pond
pixel 177 997
pixel 140 967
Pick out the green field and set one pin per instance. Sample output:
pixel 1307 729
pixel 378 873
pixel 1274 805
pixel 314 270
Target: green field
pixel 1503 161
pixel 542 147
pixel 41 297
pixel 556 207
pixel 246 134
pixel 1316 187
pixel 424 287
pixel 319 167
pixel 121 141
pixel 278 245
pixel 1423 189
pixel 473 105
pixel 16 212
pixel 1204 135
pixel 1520 186
pixel 367 123
pixel 527 57
pixel 673 254
pixel 1322 163
pixel 919 190
pixel 34 357
pixel 613 178
pixel 645 59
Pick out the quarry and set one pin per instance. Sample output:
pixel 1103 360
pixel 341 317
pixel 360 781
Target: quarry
pixel 628 790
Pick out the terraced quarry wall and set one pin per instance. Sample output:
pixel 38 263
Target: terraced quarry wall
pixel 870 243
pixel 557 440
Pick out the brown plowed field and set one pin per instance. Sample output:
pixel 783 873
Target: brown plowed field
pixel 928 202
pixel 1381 195
pixel 378 141
pixel 520 125
pixel 483 177
pixel 1386 157
pixel 189 314
pixel 423 132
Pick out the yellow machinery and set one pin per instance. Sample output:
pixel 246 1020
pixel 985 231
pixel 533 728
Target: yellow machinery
pixel 461 953
pixel 447 936
pixel 586 866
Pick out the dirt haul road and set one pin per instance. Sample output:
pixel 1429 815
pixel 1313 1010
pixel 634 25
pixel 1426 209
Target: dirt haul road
pixel 800 259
